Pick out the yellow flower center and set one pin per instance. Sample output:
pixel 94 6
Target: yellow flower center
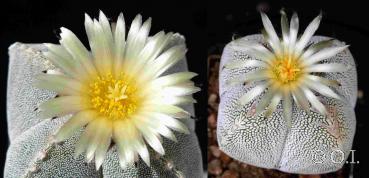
pixel 113 98
pixel 286 70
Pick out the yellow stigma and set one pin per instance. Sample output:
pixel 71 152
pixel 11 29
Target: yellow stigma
pixel 113 98
pixel 286 70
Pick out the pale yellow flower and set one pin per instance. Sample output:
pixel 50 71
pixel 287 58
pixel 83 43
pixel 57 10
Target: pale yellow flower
pixel 118 89
pixel 288 68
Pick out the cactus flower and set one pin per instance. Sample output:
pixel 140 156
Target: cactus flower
pixel 288 69
pixel 117 89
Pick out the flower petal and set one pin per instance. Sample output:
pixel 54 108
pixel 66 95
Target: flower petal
pixel 323 54
pixel 104 144
pixel 171 110
pixel 80 54
pixel 165 132
pixel 245 64
pixel 273 105
pixel 170 122
pixel 174 100
pixel 86 138
pixel 166 60
pixel 324 81
pixel 331 67
pixel 256 50
pixel 162 45
pixel 107 29
pixel 93 38
pixel 320 88
pixel 74 123
pixel 308 33
pixel 285 27
pixel 59 83
pixel 132 33
pixel 62 106
pixel 301 99
pixel 265 35
pixel 121 149
pixel 101 41
pixel 316 47
pixel 102 126
pixel 151 48
pixel 155 127
pixel 180 89
pixel 90 31
pixel 103 52
pixel 142 150
pixel 314 101
pixel 136 40
pixel 274 39
pixel 250 95
pixel 59 57
pixel 287 109
pixel 125 135
pixel 151 138
pixel 172 79
pixel 61 52
pixel 294 28
pixel 265 101
pixel 120 43
pixel 253 76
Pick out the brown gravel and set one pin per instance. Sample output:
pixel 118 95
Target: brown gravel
pixel 214 167
pixel 230 174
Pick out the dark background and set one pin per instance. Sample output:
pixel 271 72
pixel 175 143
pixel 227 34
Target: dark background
pixel 344 20
pixel 39 21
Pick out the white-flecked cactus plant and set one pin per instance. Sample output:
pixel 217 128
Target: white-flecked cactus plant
pixel 305 133
pixel 33 151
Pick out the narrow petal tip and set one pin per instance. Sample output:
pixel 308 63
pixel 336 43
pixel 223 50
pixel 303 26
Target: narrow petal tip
pixel 295 18
pixel 121 16
pixel 193 74
pixel 263 14
pixel 87 16
pixel 282 12
pixel 320 16
pixel 149 20
pixel 98 163
pixel 137 18
pixel 185 130
pixel 63 30
pixel 101 13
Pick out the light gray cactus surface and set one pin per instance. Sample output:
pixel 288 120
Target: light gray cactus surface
pixel 313 145
pixel 31 155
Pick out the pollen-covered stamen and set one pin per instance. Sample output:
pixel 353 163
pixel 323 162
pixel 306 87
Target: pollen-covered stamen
pixel 286 70
pixel 114 98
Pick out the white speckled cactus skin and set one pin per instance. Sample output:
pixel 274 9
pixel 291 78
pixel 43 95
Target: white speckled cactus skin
pixel 27 157
pixel 306 147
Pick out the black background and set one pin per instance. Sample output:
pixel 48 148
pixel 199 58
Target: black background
pixel 345 20
pixel 39 21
